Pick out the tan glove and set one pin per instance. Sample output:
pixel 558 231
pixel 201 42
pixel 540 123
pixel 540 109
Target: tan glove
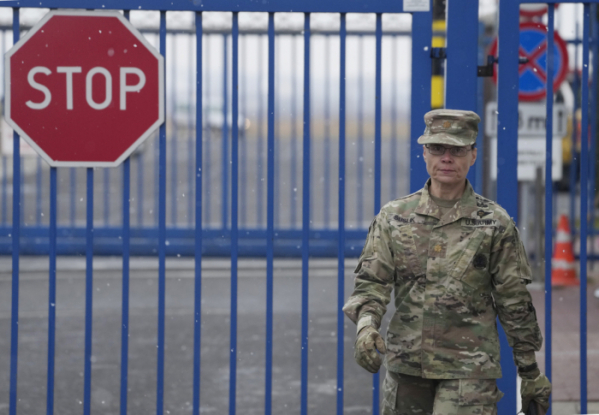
pixel 368 342
pixel 535 388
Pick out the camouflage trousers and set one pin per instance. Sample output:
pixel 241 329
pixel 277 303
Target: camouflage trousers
pixel 408 395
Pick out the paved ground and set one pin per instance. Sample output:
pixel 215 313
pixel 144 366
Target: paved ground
pixel 215 341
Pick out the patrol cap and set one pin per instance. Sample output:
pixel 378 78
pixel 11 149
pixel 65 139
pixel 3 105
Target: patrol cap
pixel 451 127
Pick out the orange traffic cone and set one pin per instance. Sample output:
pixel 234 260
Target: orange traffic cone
pixel 563 266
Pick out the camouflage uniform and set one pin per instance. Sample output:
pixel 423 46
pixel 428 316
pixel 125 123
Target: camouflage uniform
pixel 452 275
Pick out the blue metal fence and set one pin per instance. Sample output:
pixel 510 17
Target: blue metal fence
pixel 217 157
pixel 506 183
pixel 206 222
pixel 65 233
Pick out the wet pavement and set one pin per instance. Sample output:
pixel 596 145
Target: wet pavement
pixel 215 343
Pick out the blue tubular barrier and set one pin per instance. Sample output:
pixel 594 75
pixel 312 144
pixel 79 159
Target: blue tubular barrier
pixel 16 238
pixel 377 166
pixel 341 220
pixel 234 217
pixel 125 283
pixel 161 241
pixel 360 158
pixel 51 294
pixel 584 175
pixel 125 293
pixel 89 292
pixel 270 207
pixel 305 217
pixel 549 193
pixel 197 327
pixel 593 166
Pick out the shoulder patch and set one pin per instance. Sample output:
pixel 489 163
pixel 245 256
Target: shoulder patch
pixel 481 213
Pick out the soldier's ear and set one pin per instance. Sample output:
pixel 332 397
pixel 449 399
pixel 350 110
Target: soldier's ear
pixel 474 150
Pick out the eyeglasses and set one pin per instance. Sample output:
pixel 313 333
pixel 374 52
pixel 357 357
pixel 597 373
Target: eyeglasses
pixel 439 150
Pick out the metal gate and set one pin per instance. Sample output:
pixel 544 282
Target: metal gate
pixel 507 134
pixel 201 232
pixel 22 240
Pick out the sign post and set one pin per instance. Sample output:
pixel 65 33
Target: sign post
pixel 84 89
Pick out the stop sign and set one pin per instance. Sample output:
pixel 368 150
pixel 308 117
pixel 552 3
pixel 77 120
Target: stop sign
pixel 84 89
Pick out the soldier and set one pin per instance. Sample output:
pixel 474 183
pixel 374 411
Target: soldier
pixel 456 262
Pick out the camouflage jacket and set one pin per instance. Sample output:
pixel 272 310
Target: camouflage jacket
pixel 452 276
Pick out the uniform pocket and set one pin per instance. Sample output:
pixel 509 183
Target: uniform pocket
pixel 478 396
pixel 390 386
pixel 407 262
pixel 468 253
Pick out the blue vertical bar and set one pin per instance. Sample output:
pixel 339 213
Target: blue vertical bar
pixel 394 160
pixel 549 192
pixel 584 183
pixel 378 117
pixel 377 164
pixel 462 52
pixel 293 150
pixel 16 236
pixel 225 139
pixel 507 180
pixel 174 136
pixel 51 294
pixel 161 242
pixel 197 327
pixel 420 101
pixel 305 217
pixel 234 217
pixel 327 133
pixel 38 191
pixel 270 207
pixel 73 194
pixel 360 146
pixel 341 219
pixel 89 292
pixel 125 293
pixel 125 282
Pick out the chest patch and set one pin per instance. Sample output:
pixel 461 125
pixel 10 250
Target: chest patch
pixel 480 261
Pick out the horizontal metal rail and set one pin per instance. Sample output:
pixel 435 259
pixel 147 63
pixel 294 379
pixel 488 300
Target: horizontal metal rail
pixel 305 6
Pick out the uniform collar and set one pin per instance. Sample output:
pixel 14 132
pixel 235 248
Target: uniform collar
pixel 462 209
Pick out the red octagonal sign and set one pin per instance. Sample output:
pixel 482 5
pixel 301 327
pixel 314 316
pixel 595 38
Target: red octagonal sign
pixel 85 89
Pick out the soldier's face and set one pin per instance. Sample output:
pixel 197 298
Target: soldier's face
pixel 447 169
